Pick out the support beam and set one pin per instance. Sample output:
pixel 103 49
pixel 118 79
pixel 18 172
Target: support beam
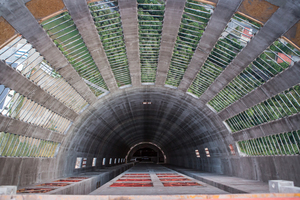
pixel 280 22
pixel 218 22
pixel 172 18
pixel 81 16
pixel 14 126
pixel 22 20
pixel 279 83
pixel 15 81
pixel 287 124
pixel 128 11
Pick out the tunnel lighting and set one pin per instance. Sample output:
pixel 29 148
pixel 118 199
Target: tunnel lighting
pixel 78 163
pixel 94 162
pixel 232 151
pixel 110 160
pixel 84 162
pixel 207 152
pixel 146 102
pixel 103 161
pixel 197 153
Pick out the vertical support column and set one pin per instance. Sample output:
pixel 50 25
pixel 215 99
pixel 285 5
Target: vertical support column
pixel 128 11
pixel 218 22
pixel 85 24
pixel 173 13
pixel 22 20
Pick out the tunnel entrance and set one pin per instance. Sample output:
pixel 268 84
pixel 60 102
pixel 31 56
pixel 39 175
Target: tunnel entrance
pixel 146 152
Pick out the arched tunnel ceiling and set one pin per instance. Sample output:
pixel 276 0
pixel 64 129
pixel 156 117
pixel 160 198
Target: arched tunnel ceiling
pixel 172 121
pixel 234 55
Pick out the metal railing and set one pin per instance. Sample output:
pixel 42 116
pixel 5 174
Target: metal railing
pixel 65 35
pixel 108 23
pixel 22 57
pixel 150 17
pixel 279 144
pixel 12 145
pixel 17 106
pixel 278 57
pixel 194 20
pixel 237 34
pixel 281 105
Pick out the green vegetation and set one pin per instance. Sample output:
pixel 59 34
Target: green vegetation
pixel 279 106
pixel 258 72
pixel 225 50
pixel 108 23
pixel 65 35
pixel 279 144
pixel 150 17
pixel 193 23
pixel 13 145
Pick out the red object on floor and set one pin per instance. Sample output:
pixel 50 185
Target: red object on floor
pixel 70 180
pixel 78 177
pixel 35 190
pixel 175 179
pixel 175 184
pixel 131 185
pixel 169 176
pixel 133 180
pixel 54 184
pixel 136 174
pixel 158 174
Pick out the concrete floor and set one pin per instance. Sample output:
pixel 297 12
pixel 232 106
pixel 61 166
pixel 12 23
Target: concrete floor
pixel 155 175
pixel 229 184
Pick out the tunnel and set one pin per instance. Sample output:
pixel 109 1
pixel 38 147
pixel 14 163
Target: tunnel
pixel 200 87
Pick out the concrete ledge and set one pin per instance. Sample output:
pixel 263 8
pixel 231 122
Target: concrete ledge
pixel 89 185
pixel 97 178
pixel 226 183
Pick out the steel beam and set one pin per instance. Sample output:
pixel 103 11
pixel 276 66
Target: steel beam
pixel 22 20
pixel 128 11
pixel 172 18
pixel 287 124
pixel 14 126
pixel 271 88
pixel 15 81
pixel 81 16
pixel 219 19
pixel 280 22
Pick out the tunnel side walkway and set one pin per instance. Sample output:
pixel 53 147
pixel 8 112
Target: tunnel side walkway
pixel 233 185
pixel 154 179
